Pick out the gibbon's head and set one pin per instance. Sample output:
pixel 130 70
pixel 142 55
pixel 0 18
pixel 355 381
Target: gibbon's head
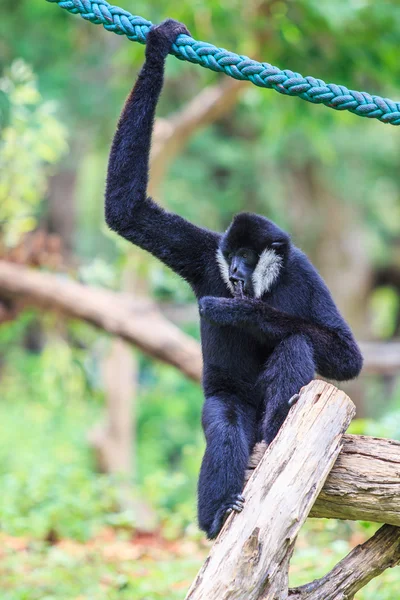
pixel 251 254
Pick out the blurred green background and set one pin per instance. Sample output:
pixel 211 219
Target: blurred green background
pixel 74 525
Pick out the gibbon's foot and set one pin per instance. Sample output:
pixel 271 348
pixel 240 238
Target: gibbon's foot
pixel 293 400
pixel 234 503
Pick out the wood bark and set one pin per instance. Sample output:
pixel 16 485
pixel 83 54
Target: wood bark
pixel 250 558
pixel 61 209
pixel 363 485
pixel 139 322
pixel 352 573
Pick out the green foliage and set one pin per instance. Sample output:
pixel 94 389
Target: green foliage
pixel 50 401
pixel 53 573
pixel 170 444
pixel 384 304
pixel 46 470
pixel 274 155
pixel 31 138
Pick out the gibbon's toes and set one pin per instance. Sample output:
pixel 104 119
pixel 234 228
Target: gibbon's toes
pixel 234 504
pixel 293 400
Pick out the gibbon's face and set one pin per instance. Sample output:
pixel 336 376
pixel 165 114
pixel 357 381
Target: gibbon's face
pixel 251 255
pixel 241 268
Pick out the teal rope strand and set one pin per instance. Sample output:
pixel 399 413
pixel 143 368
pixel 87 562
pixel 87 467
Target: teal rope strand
pixel 285 82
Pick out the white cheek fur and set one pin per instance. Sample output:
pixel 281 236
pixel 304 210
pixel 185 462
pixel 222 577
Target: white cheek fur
pixel 224 268
pixel 267 270
pixel 264 275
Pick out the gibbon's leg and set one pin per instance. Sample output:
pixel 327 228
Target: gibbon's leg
pixel 290 367
pixel 230 431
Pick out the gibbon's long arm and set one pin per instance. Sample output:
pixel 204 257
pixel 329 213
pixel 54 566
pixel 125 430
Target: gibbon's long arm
pixel 129 211
pixel 335 350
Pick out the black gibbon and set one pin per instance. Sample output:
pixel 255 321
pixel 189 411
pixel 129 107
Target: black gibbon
pixel 268 321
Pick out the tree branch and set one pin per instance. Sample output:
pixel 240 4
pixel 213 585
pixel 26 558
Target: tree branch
pixel 352 573
pixel 139 322
pixel 363 485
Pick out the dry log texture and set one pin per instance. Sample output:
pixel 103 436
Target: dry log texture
pixel 364 484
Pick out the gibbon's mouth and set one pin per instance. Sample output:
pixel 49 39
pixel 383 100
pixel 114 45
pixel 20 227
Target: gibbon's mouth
pixel 239 289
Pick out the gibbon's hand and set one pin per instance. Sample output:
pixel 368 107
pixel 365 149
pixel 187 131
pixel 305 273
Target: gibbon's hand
pixel 226 311
pixel 161 37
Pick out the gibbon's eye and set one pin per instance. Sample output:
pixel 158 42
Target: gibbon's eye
pixel 277 244
pixel 250 257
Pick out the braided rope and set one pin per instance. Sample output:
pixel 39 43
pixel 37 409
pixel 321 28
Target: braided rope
pixel 285 82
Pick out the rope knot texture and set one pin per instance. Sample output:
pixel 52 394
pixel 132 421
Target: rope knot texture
pixel 264 75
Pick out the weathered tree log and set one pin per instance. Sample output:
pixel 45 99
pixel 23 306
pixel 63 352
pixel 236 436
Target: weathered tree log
pixel 139 322
pixel 250 558
pixel 364 483
pixel 352 573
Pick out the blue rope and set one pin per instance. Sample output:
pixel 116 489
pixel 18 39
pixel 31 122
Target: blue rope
pixel 285 82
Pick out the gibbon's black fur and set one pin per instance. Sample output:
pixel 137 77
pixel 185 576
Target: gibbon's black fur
pixel 268 321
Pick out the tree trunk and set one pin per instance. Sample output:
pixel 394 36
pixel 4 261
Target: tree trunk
pixel 61 214
pixel 113 439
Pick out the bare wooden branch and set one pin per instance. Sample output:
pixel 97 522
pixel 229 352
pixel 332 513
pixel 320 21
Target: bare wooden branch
pixel 364 483
pixel 251 555
pixel 137 321
pixel 358 568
